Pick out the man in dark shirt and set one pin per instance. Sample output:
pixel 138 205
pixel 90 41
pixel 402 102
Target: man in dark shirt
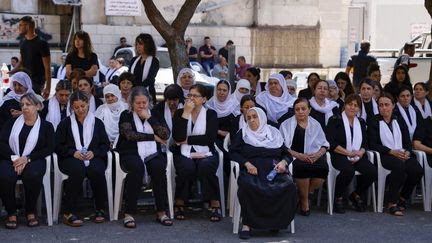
pixel 207 53
pixel 360 62
pixel 35 57
pixel 191 50
pixel 123 43
pixel 224 50
pixel 405 58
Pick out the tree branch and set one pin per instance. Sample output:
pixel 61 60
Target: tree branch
pixel 184 16
pixel 157 20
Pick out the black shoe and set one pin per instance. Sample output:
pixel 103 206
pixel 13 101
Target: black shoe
pixel 304 213
pixel 339 206
pixel 357 203
pixel 245 234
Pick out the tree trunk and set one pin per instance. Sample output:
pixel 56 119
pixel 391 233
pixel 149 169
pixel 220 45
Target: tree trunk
pixel 178 56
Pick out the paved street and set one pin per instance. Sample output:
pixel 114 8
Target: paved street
pixel 415 226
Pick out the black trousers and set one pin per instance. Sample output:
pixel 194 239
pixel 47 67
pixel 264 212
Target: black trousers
pixel 156 168
pixel 31 177
pixel 404 176
pixel 347 170
pixel 77 171
pixel 188 170
pixel 304 170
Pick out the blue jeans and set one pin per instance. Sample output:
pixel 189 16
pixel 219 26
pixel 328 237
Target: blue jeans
pixel 208 66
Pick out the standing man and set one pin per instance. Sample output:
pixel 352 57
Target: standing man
pixel 223 52
pixel 360 62
pixel 207 54
pixel 123 43
pixel 35 57
pixel 405 58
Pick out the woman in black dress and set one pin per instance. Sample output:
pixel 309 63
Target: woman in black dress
pixel 81 55
pixel 421 101
pixel 265 203
pixel 24 144
pixel 85 85
pixel 322 107
pixel 391 139
pixel 399 78
pixel 141 135
pixel 82 146
pixel 173 100
pixel 306 142
pixel 344 84
pixel 195 131
pixel 307 93
pixel 348 144
pixel 57 107
pixel 369 107
pixel 145 66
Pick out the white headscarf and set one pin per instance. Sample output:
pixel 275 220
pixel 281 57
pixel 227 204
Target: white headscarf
pixel 265 136
pixel 227 107
pixel 180 75
pixel 292 83
pixel 110 113
pixel 327 109
pixel 242 83
pixel 23 79
pixel 275 106
pixel 426 112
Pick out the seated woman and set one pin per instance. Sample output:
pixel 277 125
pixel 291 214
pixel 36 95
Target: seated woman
pixel 323 108
pixel 399 78
pixel 195 130
pixel 10 104
pixel 348 144
pixel 334 93
pixel 307 93
pixel 369 107
pixel 258 148
pixel 391 139
pixel 344 84
pixel 253 76
pixel 421 101
pixel 407 113
pixel 306 142
pixel 141 134
pixel 82 145
pixel 24 144
pixel 125 83
pixel 185 79
pixel 292 87
pixel 173 100
pixel 109 113
pixel 275 100
pixel 246 102
pixel 85 85
pixel 242 88
pixel 57 107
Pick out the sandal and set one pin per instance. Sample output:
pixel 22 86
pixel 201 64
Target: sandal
pixel 396 211
pixel 99 216
pixel 402 204
pixel 179 212
pixel 129 222
pixel 11 224
pixel 215 215
pixel 72 220
pixel 32 221
pixel 164 220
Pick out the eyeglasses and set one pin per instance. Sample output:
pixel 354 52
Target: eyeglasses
pixel 195 96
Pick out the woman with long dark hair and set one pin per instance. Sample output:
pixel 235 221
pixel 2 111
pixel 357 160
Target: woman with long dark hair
pixel 312 79
pixel 399 78
pixel 81 55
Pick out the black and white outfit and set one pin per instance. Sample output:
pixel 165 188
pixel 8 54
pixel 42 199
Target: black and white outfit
pixel 424 135
pixel 404 175
pixel 264 204
pixel 145 73
pixel 275 107
pixel 140 155
pixel 352 138
pixel 35 142
pixel 94 103
pixel 307 140
pixel 200 137
pixel 163 108
pixel 410 116
pixel 424 109
pixel 322 114
pixel 53 112
pixel 72 136
pixel 368 110
pixel 237 124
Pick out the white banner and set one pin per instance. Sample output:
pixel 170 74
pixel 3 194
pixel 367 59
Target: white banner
pixel 123 7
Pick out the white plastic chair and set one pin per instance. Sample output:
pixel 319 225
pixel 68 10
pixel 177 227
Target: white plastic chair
pixel 426 179
pixel 237 207
pixel 121 176
pixel 59 178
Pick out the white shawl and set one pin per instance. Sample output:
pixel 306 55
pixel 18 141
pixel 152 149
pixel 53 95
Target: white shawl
pixel 242 83
pixel 145 148
pixel 88 129
pixel 327 109
pixel 168 116
pixel 242 122
pixel 146 68
pixel 32 138
pixel 224 108
pixel 54 113
pixel 265 136
pixel 392 140
pixel 363 113
pixel 352 143
pixel 426 112
pixel 23 79
pixel 198 129
pixel 92 104
pixel 411 125
pixel 275 106
pixel 314 135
